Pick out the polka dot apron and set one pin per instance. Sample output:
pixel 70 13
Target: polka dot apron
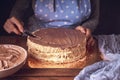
pixel 61 13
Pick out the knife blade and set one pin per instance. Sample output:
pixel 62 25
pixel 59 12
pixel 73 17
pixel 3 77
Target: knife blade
pixel 27 33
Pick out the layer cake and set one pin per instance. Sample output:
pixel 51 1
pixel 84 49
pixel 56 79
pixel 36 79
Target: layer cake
pixel 60 48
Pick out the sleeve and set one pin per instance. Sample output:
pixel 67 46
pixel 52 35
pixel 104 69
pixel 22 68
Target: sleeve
pixel 93 20
pixel 22 9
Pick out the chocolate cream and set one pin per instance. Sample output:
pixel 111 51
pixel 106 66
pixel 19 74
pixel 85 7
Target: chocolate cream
pixel 8 57
pixel 58 37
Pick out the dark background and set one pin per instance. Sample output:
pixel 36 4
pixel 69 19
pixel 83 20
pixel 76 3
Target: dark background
pixel 109 16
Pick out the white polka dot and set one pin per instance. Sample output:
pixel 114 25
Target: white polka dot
pixel 51 10
pixel 73 2
pixel 56 15
pixel 77 7
pixel 72 12
pixel 46 5
pixel 41 10
pixel 67 6
pixel 81 11
pixel 41 0
pixel 57 5
pixel 65 22
pixel 41 18
pixel 46 15
pixel 59 25
pixel 50 5
pixel 61 11
pixel 36 6
pixel 35 14
pixel 89 10
pixel 77 17
pixel 66 16
pixel 62 1
pixel 80 1
pixel 85 6
pixel 51 19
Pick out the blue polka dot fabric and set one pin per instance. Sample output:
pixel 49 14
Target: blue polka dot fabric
pixel 62 13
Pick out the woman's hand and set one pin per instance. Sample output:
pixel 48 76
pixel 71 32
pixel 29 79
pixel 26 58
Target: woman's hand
pixel 87 32
pixel 13 25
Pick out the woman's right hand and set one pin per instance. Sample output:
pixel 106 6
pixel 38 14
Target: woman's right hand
pixel 13 25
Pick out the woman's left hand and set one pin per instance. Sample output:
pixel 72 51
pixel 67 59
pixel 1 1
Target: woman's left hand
pixel 87 32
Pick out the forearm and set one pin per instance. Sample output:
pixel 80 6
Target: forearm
pixel 93 20
pixel 20 8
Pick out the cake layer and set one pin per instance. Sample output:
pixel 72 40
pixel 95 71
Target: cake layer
pixel 33 63
pixel 92 56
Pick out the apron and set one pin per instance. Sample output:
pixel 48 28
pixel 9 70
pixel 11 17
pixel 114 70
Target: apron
pixel 59 13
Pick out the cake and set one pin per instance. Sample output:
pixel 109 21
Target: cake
pixel 59 48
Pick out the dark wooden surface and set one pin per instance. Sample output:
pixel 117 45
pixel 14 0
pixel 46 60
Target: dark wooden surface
pixel 26 73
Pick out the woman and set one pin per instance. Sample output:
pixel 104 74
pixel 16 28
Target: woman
pixel 81 15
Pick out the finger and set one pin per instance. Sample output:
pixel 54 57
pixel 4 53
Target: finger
pixel 17 23
pixel 91 41
pixel 83 30
pixel 16 31
pixel 9 27
pixel 88 32
pixel 6 28
pixel 89 37
pixel 12 28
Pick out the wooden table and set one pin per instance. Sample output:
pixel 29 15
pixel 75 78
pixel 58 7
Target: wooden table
pixel 26 73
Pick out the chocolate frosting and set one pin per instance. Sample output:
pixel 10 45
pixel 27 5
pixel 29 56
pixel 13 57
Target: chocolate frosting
pixel 58 37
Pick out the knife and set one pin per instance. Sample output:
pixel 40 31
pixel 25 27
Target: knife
pixel 27 33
